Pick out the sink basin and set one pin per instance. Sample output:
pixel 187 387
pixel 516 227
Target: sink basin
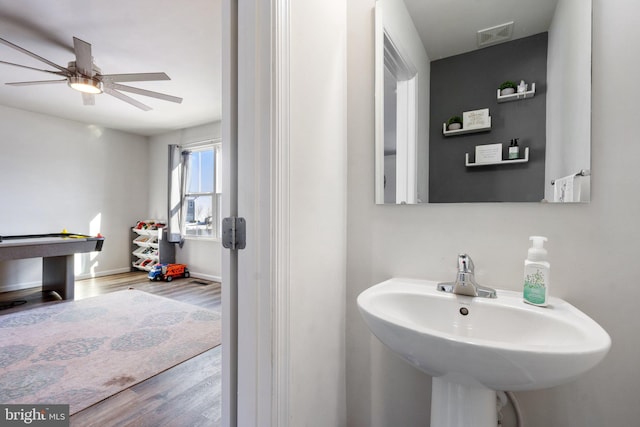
pixel 476 343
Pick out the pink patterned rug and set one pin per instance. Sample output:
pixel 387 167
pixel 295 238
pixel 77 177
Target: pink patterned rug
pixel 81 352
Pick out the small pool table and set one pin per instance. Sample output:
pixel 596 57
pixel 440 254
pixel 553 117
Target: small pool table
pixel 57 253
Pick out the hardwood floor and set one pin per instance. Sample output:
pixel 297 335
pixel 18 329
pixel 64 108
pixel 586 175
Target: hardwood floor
pixel 186 395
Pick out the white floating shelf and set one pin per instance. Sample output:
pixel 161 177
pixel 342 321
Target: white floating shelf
pixel 502 162
pixel 462 131
pixel 518 96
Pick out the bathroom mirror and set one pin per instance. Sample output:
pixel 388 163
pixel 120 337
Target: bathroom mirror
pixel 438 59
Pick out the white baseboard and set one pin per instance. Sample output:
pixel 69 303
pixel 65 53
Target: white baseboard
pixel 21 286
pixel 102 273
pixel 38 283
pixel 204 276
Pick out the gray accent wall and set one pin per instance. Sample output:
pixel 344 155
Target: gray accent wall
pixel 469 82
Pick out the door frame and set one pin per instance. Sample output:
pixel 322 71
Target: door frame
pixel 392 56
pixel 229 259
pixel 255 280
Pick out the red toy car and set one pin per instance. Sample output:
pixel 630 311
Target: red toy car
pixel 168 272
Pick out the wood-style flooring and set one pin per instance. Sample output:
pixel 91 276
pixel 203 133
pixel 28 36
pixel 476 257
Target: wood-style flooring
pixel 187 395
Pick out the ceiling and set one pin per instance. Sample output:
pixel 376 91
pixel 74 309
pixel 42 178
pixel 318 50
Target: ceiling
pixel 182 39
pixel 449 27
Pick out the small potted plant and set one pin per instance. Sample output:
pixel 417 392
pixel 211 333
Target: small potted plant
pixel 508 87
pixel 454 123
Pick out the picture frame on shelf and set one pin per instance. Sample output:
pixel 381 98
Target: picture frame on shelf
pixel 489 153
pixel 476 119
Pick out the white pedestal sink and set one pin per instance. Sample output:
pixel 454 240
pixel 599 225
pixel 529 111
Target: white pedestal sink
pixel 473 346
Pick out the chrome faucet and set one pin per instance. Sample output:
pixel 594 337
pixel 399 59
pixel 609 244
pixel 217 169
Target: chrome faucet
pixel 465 283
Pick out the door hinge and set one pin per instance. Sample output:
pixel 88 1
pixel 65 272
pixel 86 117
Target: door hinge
pixel 234 233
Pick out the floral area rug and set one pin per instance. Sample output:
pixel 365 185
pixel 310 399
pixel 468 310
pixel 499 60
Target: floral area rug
pixel 81 352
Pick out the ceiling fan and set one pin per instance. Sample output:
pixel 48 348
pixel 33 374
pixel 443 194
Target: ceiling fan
pixel 83 75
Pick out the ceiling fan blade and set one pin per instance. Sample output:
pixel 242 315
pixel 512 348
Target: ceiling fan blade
pixel 33 55
pixel 88 99
pixel 59 73
pixel 40 82
pixel 84 60
pixel 134 77
pixel 146 92
pixel 125 98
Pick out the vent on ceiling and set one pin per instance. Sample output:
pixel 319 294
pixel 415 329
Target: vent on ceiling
pixel 497 34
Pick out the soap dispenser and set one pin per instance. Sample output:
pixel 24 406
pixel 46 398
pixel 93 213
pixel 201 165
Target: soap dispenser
pixel 514 150
pixel 536 273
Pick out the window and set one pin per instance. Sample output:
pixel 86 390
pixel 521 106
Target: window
pixel 195 191
pixel 201 198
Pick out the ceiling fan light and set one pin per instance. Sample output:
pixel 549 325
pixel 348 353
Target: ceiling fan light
pixel 85 85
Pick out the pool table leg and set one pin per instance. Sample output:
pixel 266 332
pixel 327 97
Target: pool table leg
pixel 57 275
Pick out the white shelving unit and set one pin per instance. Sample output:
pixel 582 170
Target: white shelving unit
pixel 462 131
pixel 150 247
pixel 525 159
pixel 517 96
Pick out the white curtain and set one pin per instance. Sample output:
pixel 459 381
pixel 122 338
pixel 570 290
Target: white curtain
pixel 178 184
pixel 185 180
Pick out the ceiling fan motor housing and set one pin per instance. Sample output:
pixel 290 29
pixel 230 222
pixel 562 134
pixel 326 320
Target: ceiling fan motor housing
pixel 85 84
pixel 74 69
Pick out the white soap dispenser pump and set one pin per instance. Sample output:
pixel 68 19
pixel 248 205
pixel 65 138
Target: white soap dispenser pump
pixel 536 273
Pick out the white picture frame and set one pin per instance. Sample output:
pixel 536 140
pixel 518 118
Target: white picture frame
pixel 476 119
pixel 489 153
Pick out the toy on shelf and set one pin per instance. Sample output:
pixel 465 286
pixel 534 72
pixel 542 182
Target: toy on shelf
pixel 149 225
pixel 168 272
pixel 149 241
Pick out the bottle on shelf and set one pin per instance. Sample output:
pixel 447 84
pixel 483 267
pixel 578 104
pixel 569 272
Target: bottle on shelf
pixel 514 149
pixel 522 87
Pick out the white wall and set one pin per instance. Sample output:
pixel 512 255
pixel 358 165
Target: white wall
pixel 592 247
pixel 58 174
pixel 568 93
pixel 317 231
pixel 202 256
